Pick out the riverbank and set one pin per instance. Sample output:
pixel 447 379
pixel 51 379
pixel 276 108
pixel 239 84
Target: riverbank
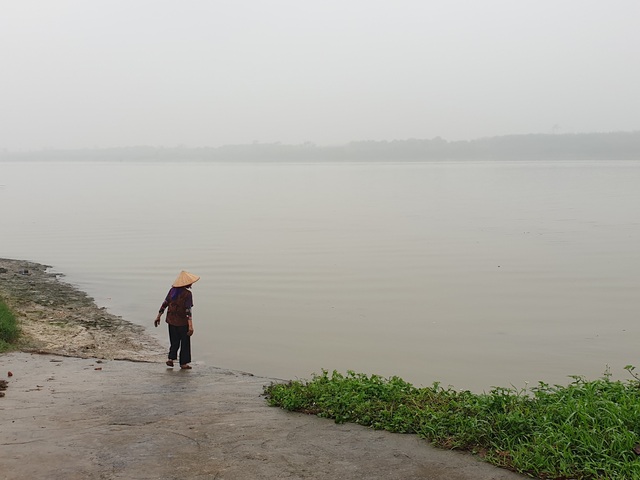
pixel 55 317
pixel 72 410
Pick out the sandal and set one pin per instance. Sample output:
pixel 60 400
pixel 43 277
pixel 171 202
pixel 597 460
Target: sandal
pixel 185 367
pixel 170 363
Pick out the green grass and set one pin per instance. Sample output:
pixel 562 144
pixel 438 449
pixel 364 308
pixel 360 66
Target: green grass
pixel 9 330
pixel 584 430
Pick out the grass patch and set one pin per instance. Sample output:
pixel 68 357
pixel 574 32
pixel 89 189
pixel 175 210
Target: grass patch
pixel 9 330
pixel 584 430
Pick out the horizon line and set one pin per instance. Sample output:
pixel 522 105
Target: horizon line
pixel 310 143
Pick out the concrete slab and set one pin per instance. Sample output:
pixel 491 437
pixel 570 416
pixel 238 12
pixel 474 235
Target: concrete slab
pixel 76 418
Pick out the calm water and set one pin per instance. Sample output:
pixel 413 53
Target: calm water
pixel 472 274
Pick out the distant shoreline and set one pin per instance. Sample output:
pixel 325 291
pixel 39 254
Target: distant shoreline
pixel 580 146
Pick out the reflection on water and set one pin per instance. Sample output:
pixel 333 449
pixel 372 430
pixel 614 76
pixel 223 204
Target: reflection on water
pixel 473 274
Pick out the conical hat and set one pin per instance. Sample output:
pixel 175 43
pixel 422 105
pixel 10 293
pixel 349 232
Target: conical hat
pixel 184 279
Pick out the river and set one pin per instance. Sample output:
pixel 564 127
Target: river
pixel 473 274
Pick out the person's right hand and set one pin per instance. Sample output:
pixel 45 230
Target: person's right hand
pixel 156 322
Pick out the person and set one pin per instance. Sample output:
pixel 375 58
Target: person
pixel 178 303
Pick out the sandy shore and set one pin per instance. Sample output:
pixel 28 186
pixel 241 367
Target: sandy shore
pixel 73 410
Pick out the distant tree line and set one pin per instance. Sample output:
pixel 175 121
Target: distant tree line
pixel 583 146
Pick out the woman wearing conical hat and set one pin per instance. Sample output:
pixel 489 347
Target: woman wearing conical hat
pixel 179 302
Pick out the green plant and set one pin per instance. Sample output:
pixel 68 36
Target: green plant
pixel 584 430
pixel 9 330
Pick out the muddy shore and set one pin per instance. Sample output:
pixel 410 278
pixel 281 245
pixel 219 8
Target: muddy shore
pixel 55 317
pixel 89 397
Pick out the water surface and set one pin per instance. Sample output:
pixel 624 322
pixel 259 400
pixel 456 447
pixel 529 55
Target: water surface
pixel 473 274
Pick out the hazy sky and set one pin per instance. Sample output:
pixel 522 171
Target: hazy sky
pixel 101 73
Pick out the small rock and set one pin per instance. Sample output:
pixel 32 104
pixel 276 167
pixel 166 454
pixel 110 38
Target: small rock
pixel 98 368
pixel 636 449
pixel 1 394
pixel 9 374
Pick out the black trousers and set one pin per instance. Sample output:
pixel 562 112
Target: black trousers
pixel 180 340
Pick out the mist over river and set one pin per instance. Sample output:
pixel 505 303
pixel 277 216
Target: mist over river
pixel 473 274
